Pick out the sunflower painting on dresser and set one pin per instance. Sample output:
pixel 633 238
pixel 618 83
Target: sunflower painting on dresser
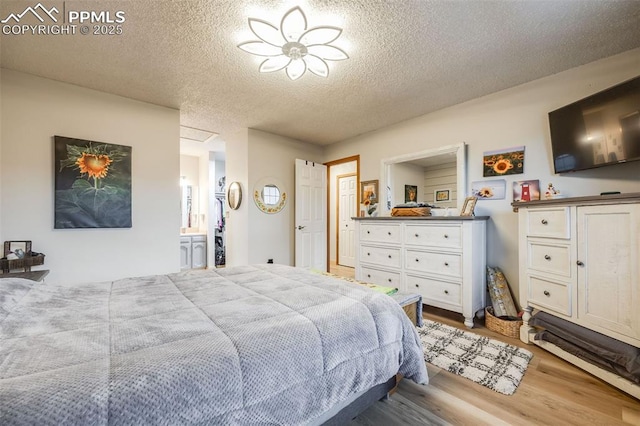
pixel 92 184
pixel 503 162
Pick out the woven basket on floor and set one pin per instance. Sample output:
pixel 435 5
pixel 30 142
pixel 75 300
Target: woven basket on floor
pixel 504 327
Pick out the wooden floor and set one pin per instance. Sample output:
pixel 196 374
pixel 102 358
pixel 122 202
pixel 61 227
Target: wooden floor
pixel 552 392
pixel 343 271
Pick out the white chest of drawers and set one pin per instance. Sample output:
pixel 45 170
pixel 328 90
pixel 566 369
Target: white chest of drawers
pixel 443 259
pixel 579 261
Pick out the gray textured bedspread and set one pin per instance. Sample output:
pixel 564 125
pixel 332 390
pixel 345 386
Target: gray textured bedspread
pixel 265 344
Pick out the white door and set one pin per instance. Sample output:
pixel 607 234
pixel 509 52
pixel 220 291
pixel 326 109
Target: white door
pixel 347 208
pixel 311 215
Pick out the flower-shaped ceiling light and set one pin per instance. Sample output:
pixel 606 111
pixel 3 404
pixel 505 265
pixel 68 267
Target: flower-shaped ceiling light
pixel 293 46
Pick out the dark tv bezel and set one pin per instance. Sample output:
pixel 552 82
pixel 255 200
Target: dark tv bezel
pixel 587 99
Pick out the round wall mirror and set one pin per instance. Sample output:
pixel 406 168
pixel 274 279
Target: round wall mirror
pixel 234 195
pixel 269 195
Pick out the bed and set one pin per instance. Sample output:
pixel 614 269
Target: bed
pixel 263 344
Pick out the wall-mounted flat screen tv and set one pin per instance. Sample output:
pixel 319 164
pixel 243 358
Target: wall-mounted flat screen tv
pixel 599 130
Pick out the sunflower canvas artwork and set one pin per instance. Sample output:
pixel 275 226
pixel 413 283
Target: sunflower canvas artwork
pixel 503 162
pixel 489 189
pixel 92 184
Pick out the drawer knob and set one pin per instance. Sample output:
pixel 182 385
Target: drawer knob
pixel 389 233
pixel 580 263
pixel 389 280
pixel 368 254
pixel 547 257
pixel 417 260
pixel 368 232
pixel 389 256
pixel 544 221
pixel 446 292
pixel 417 235
pixel 417 286
pixel 446 263
pixel 546 293
pixel 446 236
pixel 368 275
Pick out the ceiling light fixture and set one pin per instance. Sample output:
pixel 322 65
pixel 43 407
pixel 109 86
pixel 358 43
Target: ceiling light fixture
pixel 294 47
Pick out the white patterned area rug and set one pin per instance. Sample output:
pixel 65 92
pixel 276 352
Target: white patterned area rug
pixel 491 363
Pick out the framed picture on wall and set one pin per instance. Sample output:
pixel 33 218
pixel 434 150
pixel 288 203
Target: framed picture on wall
pixel 92 184
pixel 489 189
pixel 441 195
pixel 410 194
pixel 369 191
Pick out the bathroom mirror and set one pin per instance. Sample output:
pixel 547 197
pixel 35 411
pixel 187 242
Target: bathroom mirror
pixel 189 206
pixel 234 195
pixel 269 195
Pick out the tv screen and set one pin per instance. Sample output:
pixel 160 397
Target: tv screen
pixel 599 130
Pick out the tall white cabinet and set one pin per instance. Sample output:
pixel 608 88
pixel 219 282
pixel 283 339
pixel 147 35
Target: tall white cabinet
pixel 579 261
pixel 441 258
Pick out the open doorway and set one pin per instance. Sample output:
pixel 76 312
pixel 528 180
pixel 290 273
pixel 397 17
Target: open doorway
pixel 342 204
pixel 202 171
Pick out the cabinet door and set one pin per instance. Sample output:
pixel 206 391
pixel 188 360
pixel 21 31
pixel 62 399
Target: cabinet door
pixel 185 255
pixel 199 254
pixel 608 270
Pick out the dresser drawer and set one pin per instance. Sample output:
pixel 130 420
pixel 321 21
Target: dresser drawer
pixel 431 262
pixel 382 256
pixel 550 294
pixel 433 235
pixel 551 258
pixel 376 276
pixel 380 233
pixel 434 290
pixel 550 223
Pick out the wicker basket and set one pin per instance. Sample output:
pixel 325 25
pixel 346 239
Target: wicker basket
pixel 504 327
pixel 410 211
pixel 26 263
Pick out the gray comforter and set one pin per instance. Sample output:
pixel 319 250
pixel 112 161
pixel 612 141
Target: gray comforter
pixel 266 344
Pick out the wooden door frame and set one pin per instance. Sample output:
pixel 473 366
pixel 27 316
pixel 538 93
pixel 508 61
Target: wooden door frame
pixel 355 158
pixel 338 177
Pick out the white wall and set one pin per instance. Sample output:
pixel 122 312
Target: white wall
pixel 1 233
pixel 237 221
pixel 334 172
pixel 272 236
pixel 33 111
pixel 513 117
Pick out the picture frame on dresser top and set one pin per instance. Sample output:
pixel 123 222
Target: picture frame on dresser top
pixel 468 206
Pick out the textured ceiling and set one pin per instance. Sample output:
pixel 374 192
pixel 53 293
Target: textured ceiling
pixel 407 58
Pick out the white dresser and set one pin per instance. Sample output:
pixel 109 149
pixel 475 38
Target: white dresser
pixel 441 258
pixel 579 261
